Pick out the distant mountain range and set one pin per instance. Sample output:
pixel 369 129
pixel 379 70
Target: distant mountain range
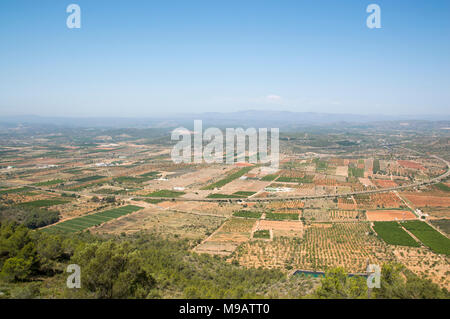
pixel 250 118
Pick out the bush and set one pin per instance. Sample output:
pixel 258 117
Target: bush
pixel 28 216
pixel 16 268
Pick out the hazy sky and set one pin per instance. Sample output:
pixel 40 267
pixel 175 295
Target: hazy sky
pixel 138 58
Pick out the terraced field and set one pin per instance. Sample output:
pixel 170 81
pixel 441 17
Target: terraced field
pixel 87 221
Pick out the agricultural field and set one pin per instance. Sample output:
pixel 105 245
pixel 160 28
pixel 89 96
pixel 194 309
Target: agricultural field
pixel 393 234
pixel 282 216
pixel 89 178
pixel 285 205
pixel 442 224
pixel 227 237
pixel 247 214
pixel 87 221
pixel 182 225
pixel 315 215
pixel 347 203
pixel 427 200
pixel 322 246
pixel 389 215
pixel 302 215
pixel 204 208
pixel 49 183
pixel 293 229
pixel 228 179
pixel 378 200
pixel 263 234
pixel 14 190
pixel 165 193
pixel 347 215
pixel 429 236
pixel 385 183
pixel 269 178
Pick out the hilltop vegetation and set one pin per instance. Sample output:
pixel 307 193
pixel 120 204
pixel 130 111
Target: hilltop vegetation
pixel 33 264
pixel 28 216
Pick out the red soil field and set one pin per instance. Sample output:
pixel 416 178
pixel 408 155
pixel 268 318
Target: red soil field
pixel 423 200
pixel 389 215
pixel 385 183
pixel 410 164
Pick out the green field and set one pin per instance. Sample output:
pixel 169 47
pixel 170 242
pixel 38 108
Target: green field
pixel 376 166
pixel 15 190
pixel 247 214
pixel 393 234
pixel 355 172
pixel 151 175
pixel 442 187
pixel 244 193
pixel 442 224
pixel 153 200
pixel 429 236
pixel 43 203
pixel 149 200
pixel 261 234
pixel 224 196
pixel 165 193
pixel 130 179
pixel 228 179
pixel 281 216
pixel 306 179
pixel 89 178
pixel 87 221
pixel 321 166
pixel 49 183
pixel 240 194
pixel 269 178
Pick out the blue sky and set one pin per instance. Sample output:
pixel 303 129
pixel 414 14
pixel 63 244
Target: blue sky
pixel 139 58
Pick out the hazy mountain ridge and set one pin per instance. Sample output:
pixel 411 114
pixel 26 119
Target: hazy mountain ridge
pixel 232 119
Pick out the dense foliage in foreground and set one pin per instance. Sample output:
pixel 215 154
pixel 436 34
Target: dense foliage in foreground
pixel 30 217
pixel 33 264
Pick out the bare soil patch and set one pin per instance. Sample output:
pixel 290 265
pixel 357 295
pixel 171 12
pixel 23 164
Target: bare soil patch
pixel 389 215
